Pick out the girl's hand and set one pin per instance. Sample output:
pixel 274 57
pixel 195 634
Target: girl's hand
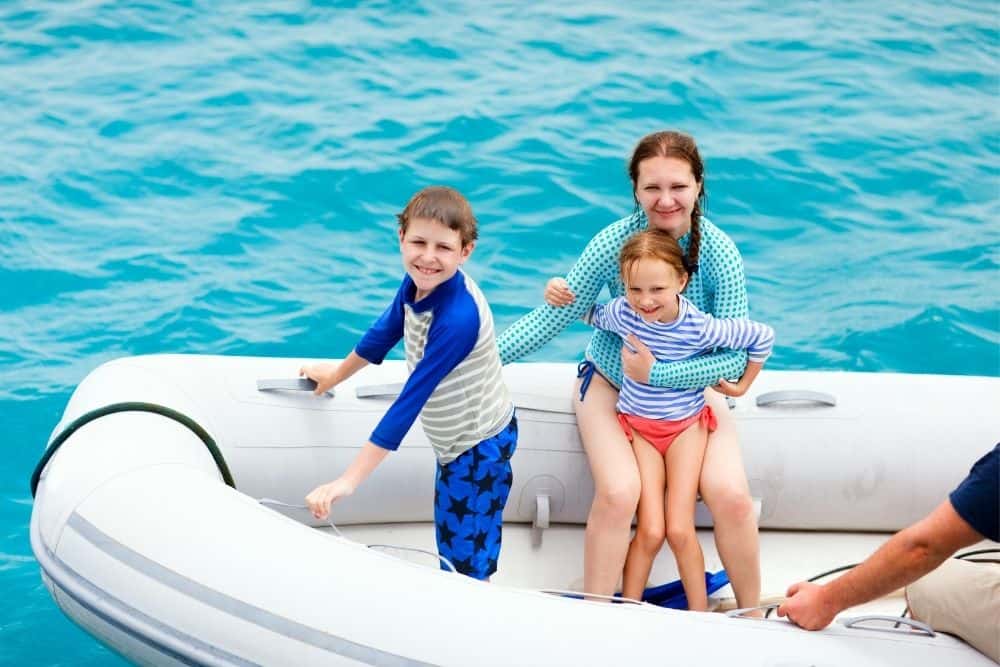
pixel 637 365
pixel 727 388
pixel 322 374
pixel 558 293
pixel 320 498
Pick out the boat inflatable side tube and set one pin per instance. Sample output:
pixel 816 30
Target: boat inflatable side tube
pixel 164 411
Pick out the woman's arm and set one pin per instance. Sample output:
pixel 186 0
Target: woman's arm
pixel 594 268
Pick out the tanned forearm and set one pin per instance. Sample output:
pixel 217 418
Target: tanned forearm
pixel 909 555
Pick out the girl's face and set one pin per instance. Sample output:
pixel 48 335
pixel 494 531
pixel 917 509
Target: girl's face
pixel 651 289
pixel 667 191
pixel 432 253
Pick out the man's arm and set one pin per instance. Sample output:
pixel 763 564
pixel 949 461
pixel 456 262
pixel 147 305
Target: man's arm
pixel 908 555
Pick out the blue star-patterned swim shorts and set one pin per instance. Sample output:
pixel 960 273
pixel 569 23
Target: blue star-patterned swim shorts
pixel 469 496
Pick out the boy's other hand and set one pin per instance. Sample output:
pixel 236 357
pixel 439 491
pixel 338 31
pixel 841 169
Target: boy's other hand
pixel 324 495
pixel 322 374
pixel 558 293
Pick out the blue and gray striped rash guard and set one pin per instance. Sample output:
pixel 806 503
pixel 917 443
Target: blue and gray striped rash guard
pixel 691 334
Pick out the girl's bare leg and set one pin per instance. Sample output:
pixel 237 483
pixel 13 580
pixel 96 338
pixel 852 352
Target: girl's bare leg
pixel 683 467
pixel 616 487
pixel 650 527
pixel 725 490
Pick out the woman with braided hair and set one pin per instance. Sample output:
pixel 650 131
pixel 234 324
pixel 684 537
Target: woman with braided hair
pixel 667 175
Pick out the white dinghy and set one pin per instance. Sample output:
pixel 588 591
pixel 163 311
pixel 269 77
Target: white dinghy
pixel 150 532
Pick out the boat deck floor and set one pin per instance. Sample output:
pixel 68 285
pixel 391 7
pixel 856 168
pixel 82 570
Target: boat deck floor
pixel 554 559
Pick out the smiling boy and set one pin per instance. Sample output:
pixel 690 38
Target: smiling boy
pixel 455 384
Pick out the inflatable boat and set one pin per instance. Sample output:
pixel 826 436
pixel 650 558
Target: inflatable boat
pixel 167 521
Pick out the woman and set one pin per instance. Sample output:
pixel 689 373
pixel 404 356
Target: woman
pixel 667 183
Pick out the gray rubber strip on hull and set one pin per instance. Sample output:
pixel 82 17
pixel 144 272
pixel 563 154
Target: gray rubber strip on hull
pixel 237 608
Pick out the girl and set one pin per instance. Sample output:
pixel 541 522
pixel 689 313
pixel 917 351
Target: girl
pixel 667 175
pixel 668 428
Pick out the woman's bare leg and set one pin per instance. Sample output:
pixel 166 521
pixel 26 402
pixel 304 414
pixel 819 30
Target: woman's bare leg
pixel 683 467
pixel 725 490
pixel 616 487
pixel 651 524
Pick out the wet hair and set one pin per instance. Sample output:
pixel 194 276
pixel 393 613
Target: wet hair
pixel 651 244
pixel 678 145
pixel 445 205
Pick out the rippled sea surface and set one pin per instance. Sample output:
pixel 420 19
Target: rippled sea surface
pixel 221 177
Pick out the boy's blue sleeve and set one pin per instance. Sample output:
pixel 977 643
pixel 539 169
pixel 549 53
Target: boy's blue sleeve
pixel 450 340
pixel 385 333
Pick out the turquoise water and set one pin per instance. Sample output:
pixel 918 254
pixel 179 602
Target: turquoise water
pixel 222 178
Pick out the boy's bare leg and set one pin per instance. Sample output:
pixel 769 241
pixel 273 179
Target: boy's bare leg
pixel 683 467
pixel 650 526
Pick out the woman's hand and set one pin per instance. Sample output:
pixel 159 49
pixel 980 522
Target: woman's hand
pixel 637 365
pixel 323 374
pixel 558 293
pixel 324 495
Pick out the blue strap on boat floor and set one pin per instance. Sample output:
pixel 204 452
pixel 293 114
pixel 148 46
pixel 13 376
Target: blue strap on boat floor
pixel 672 594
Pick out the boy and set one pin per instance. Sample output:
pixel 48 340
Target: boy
pixel 455 384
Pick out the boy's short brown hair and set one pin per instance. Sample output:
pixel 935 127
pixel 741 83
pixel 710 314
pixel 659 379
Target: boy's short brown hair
pixel 447 206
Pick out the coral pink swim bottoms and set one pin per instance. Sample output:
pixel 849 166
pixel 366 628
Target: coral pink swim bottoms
pixel 662 432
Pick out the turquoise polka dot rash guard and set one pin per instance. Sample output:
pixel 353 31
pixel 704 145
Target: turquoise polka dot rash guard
pixel 718 288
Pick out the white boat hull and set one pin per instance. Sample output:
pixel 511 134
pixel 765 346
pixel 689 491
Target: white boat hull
pixel 143 545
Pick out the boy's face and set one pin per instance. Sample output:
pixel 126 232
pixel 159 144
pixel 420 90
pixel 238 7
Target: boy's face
pixel 431 253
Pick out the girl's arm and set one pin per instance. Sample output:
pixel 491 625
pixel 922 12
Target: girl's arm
pixel 594 268
pixel 756 338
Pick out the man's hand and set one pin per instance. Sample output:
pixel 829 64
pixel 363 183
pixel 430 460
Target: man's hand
pixel 807 606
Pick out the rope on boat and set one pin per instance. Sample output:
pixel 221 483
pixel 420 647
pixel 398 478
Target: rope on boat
pixel 277 503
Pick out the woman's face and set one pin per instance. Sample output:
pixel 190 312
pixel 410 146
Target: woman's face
pixel 667 191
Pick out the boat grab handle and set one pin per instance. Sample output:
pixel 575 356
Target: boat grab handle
pixel 277 503
pixel 451 567
pixel 285 384
pixel 379 390
pixel 742 613
pixel 795 396
pixel 914 624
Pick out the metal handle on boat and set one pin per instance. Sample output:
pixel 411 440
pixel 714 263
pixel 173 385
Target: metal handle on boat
pixel 426 552
pixel 855 621
pixel 379 390
pixel 796 396
pixel 285 384
pixel 742 613
pixel 541 511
